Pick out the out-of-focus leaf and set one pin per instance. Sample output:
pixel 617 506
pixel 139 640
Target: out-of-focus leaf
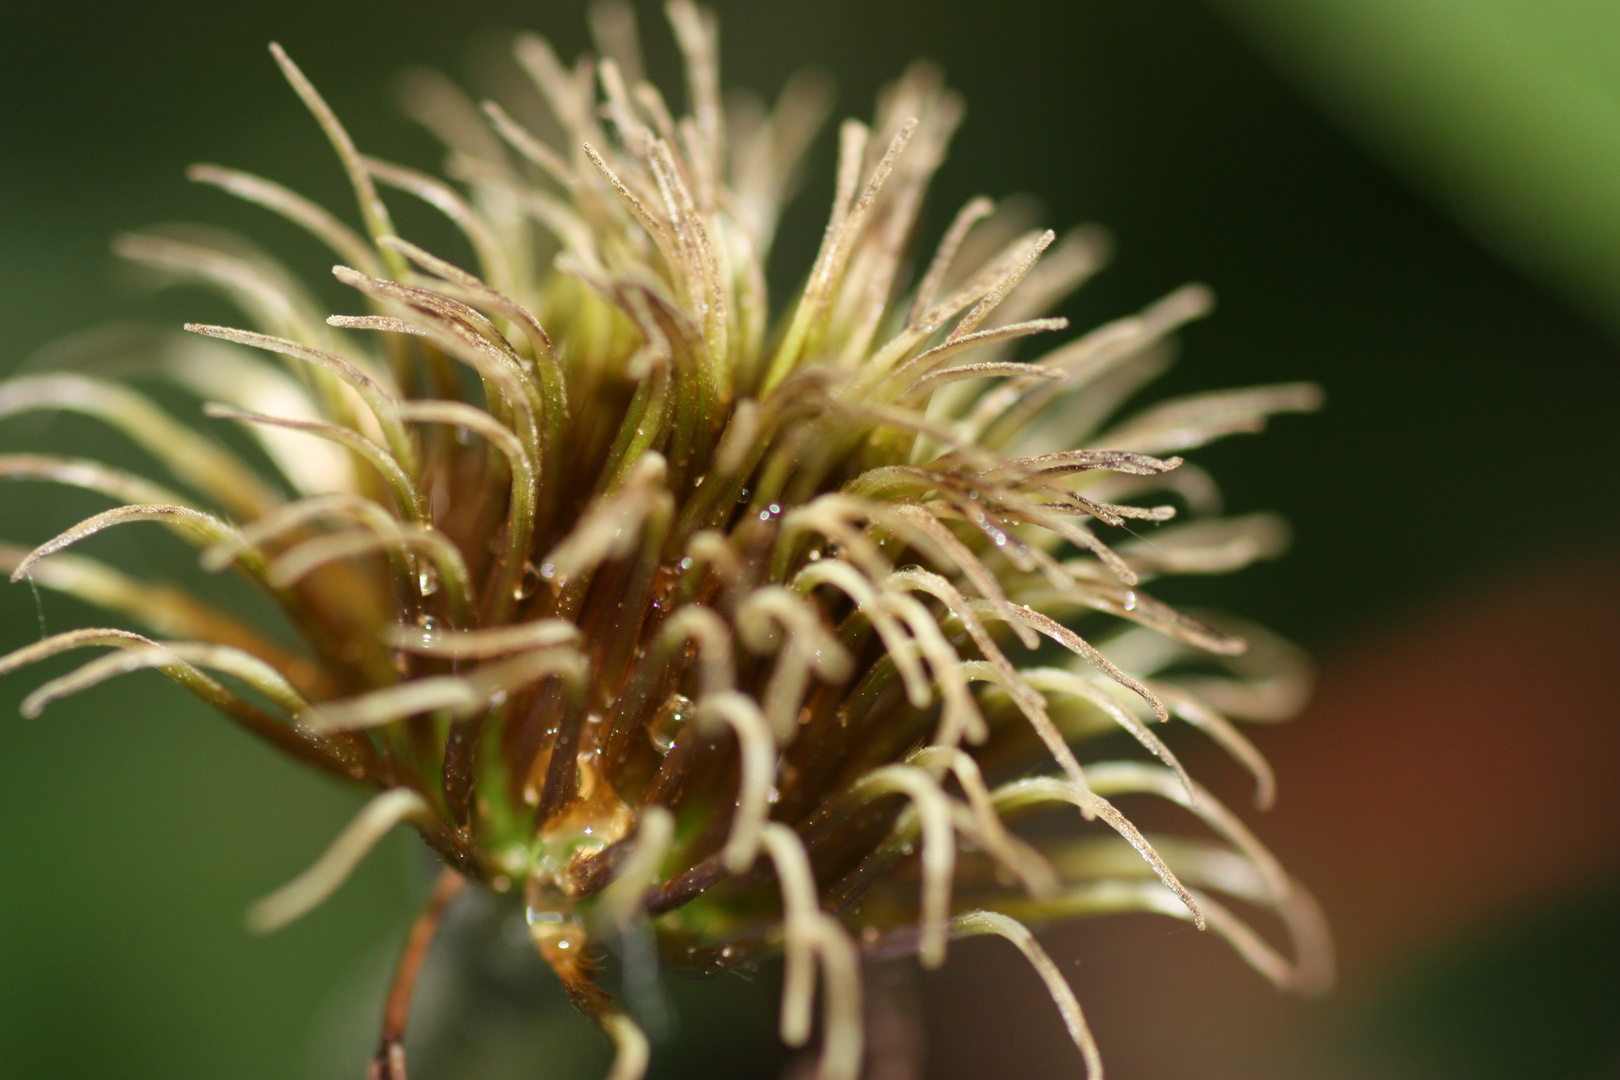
pixel 1506 110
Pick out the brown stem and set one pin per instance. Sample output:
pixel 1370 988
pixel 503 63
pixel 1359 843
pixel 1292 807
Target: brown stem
pixel 389 1062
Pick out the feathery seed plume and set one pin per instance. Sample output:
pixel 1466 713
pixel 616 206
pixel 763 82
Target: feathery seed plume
pixel 661 612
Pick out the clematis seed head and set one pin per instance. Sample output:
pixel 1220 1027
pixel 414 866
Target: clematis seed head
pixel 667 606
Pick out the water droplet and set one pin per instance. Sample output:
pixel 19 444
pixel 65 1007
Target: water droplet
pixel 429 626
pixel 1130 601
pixel 548 571
pixel 666 725
pixel 498 698
pixel 744 495
pixel 764 515
pixel 531 795
pixel 774 797
pixel 527 583
pixel 427 580
pixel 814 555
pixel 464 435
pixel 727 952
pixel 686 563
pixel 699 481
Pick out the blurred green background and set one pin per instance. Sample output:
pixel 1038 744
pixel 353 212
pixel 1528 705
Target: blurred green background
pixel 1415 203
